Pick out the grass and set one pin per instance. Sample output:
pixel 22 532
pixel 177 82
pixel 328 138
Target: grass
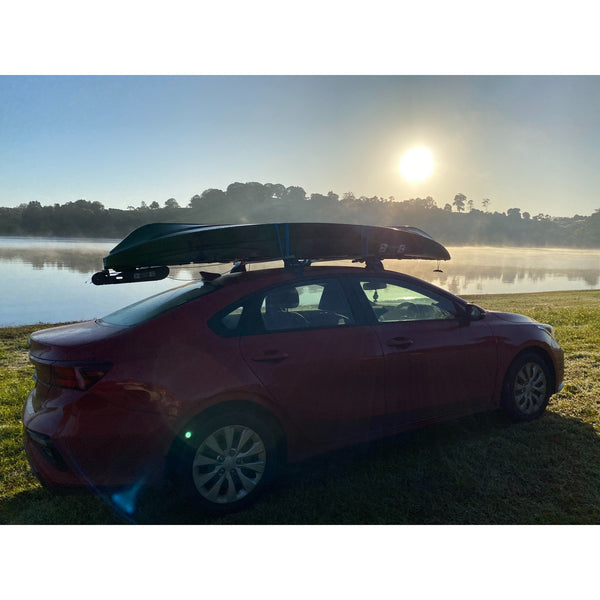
pixel 478 470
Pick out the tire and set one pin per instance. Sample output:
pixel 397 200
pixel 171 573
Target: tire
pixel 222 464
pixel 526 389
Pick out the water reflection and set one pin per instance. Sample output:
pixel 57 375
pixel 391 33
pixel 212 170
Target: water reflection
pixel 476 270
pixel 506 279
pixel 70 255
pixel 48 279
pixel 73 257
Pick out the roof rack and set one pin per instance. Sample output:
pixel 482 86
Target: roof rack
pixel 291 263
pixel 372 263
pixel 208 276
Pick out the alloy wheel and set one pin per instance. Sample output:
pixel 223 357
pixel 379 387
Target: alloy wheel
pixel 229 464
pixel 530 388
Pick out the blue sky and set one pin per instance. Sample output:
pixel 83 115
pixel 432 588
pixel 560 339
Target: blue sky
pixel 522 141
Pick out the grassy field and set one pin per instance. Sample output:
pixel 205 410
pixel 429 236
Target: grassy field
pixel 479 470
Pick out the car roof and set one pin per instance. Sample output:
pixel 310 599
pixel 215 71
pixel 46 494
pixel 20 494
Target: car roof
pixel 278 273
pixel 270 276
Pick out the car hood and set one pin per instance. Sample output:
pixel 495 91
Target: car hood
pixel 511 317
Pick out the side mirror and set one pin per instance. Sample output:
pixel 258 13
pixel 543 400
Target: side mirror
pixel 474 312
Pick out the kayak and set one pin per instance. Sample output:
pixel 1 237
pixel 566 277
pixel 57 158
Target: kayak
pixel 163 244
pixel 160 244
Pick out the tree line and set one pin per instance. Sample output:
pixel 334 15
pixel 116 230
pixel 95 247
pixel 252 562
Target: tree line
pixel 455 223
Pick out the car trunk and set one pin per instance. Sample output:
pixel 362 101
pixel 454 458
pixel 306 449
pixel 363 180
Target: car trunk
pixel 71 342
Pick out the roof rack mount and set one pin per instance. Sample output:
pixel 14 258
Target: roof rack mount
pixel 130 275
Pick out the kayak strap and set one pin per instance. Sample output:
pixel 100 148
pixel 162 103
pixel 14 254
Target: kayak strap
pixel 285 252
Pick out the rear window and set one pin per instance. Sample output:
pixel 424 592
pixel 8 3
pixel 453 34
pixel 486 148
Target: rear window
pixel 151 307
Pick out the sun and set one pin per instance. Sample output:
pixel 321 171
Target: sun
pixel 417 164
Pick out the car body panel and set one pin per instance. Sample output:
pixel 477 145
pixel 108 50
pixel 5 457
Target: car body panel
pixel 330 386
pixel 448 369
pixel 335 385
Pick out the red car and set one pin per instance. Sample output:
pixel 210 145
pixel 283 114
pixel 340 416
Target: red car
pixel 219 382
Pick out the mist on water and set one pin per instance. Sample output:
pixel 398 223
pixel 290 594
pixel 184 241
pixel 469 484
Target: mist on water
pixel 49 280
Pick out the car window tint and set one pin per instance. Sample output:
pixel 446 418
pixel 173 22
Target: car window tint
pixel 392 302
pixel 231 320
pixel 306 306
pixel 151 307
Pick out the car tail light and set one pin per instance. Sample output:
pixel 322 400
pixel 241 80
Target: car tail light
pixel 72 376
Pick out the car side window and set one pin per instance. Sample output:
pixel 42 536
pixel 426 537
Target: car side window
pixel 231 321
pixel 393 302
pixel 227 323
pixel 306 306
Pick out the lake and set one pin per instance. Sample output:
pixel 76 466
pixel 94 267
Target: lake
pixel 48 280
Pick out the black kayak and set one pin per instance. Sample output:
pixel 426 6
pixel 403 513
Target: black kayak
pixel 163 244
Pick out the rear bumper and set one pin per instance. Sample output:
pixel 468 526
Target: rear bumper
pixel 64 450
pixel 46 463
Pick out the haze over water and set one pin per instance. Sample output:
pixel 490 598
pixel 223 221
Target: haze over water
pixel 48 280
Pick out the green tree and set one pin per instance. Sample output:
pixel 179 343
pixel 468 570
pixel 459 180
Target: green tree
pixel 459 202
pixel 514 213
pixel 33 217
pixel 237 193
pixel 295 193
pixel 195 201
pixel 276 191
pixel 421 203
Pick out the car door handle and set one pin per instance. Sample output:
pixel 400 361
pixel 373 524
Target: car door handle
pixel 271 356
pixel 399 342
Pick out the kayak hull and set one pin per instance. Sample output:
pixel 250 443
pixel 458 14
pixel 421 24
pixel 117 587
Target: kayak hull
pixel 163 244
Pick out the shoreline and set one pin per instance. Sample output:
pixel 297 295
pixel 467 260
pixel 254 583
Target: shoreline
pixel 487 299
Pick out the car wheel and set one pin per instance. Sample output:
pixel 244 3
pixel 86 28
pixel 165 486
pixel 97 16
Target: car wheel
pixel 223 464
pixel 526 388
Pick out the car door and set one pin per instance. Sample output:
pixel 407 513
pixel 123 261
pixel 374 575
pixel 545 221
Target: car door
pixel 325 370
pixel 438 363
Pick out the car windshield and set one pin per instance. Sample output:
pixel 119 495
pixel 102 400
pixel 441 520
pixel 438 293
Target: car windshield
pixel 151 307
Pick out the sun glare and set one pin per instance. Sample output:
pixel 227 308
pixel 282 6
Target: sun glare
pixel 417 164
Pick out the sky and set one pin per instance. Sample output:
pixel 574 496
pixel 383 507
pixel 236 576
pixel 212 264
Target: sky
pixel 531 142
